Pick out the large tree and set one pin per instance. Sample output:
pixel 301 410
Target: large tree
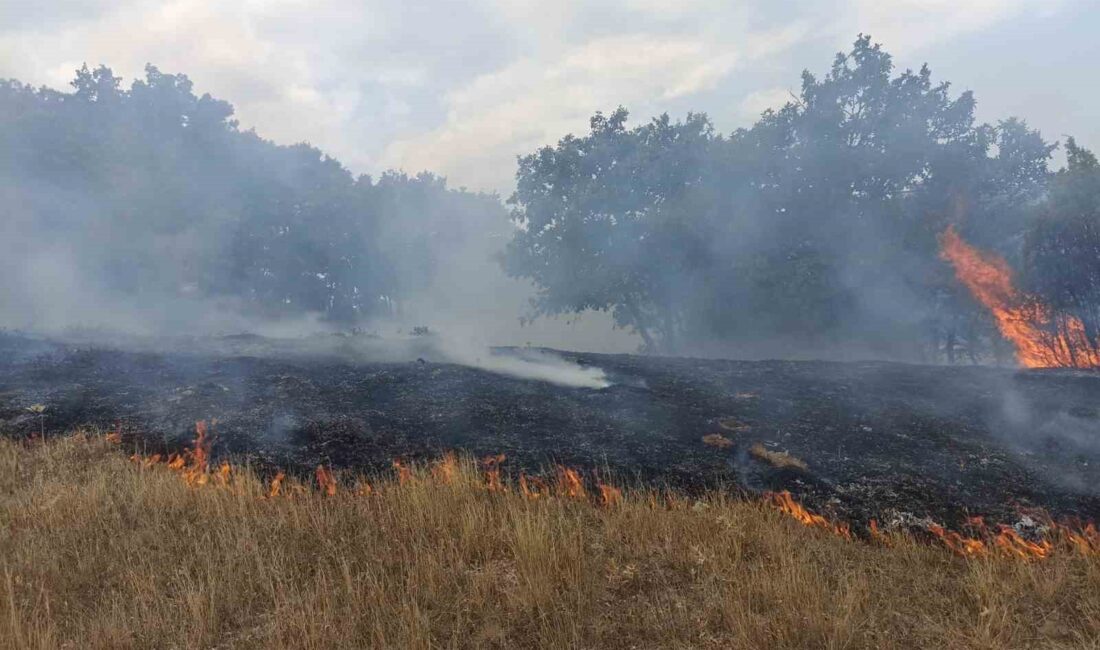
pixel 815 227
pixel 606 222
pixel 152 197
pixel 1062 249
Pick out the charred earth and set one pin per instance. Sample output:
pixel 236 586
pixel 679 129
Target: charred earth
pixel 900 443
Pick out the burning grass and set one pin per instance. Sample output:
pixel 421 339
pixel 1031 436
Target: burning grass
pixel 779 459
pixel 96 551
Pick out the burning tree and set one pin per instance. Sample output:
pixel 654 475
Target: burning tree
pixel 1061 260
pixel 1042 337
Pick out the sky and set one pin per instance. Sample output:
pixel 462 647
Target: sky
pixel 461 87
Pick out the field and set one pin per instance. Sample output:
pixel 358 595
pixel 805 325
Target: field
pixel 900 443
pixel 97 551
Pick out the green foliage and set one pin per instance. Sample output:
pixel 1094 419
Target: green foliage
pixel 815 226
pixel 605 223
pixel 154 194
pixel 1062 247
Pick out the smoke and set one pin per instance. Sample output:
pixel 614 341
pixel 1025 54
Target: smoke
pixel 536 365
pixel 1054 440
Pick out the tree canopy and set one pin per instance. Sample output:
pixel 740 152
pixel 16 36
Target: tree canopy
pixel 814 228
pixel 153 195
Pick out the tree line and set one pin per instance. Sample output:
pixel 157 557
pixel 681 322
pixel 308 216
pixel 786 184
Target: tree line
pixel 814 229
pixel 158 194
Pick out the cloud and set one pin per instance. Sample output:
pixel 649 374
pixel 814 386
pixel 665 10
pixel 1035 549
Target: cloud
pixel 463 86
pixel 759 101
pixel 532 102
pixel 909 25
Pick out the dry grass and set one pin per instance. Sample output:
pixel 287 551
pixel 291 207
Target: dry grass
pixel 779 459
pixel 717 440
pixel 97 552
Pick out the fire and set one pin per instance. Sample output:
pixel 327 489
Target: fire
pixel 957 543
pixel 570 483
pixel 877 535
pixel 491 466
pixel 404 472
pixel 1026 323
pixel 1006 542
pixel 326 482
pixel 444 469
pixel 787 505
pixel 1085 541
pixel 981 540
pixel 277 485
pixel 532 487
pixel 609 495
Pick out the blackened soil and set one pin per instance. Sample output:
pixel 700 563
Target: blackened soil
pixel 893 441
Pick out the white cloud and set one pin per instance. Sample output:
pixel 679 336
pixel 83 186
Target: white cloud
pixel 533 102
pixel 908 25
pixel 463 86
pixel 759 101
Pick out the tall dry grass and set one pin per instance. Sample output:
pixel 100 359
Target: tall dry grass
pixel 97 552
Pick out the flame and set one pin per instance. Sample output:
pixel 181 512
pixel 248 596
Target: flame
pixel 326 482
pixel 197 472
pixel 1026 323
pixel 877 535
pixel 1085 541
pixel 787 505
pixel 491 467
pixel 277 485
pixel 404 473
pixel 609 495
pixel 532 487
pixel 569 483
pixel 957 543
pixel 444 469
pixel 1005 541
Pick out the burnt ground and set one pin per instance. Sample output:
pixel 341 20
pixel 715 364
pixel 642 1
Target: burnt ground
pixel 893 441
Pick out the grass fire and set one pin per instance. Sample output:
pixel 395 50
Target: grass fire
pixel 440 554
pixel 466 326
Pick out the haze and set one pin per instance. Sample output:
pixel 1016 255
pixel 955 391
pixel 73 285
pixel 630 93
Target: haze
pixel 462 88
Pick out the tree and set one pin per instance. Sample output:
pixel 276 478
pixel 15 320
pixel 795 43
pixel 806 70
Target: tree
pixel 1062 248
pixel 813 229
pixel 606 222
pixel 151 197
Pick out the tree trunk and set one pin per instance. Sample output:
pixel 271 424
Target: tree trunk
pixel 639 326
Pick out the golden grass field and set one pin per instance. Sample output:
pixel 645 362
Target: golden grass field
pixel 100 552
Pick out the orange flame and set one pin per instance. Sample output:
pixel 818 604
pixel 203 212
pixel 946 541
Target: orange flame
pixel 444 469
pixel 787 505
pixel 532 487
pixel 326 482
pixel 277 485
pixel 877 535
pixel 569 483
pixel 491 466
pixel 404 473
pixel 957 543
pixel 1025 324
pixel 609 495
